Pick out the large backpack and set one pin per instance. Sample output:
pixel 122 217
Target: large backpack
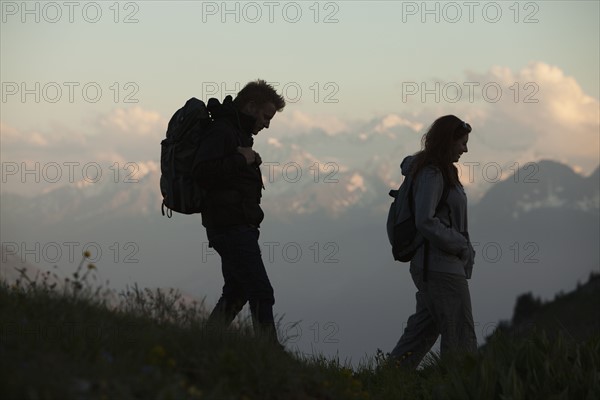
pixel 401 229
pixel 187 128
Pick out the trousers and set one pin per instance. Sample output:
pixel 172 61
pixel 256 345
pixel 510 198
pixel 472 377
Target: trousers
pixel 443 308
pixel 245 279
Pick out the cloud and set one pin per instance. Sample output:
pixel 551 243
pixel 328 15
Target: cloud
pixel 298 121
pixel 8 133
pixel 543 113
pixel 133 121
pixel 54 135
pixel 356 182
pixel 553 118
pixel 394 120
pixel 274 142
pixel 114 143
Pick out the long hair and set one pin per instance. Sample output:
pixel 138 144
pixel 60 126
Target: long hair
pixel 437 145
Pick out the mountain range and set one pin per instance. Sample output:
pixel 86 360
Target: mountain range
pixel 323 242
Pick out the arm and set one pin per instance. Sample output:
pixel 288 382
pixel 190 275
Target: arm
pixel 208 172
pixel 217 158
pixel 428 189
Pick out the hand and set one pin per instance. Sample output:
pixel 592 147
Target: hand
pixel 249 154
pixel 464 255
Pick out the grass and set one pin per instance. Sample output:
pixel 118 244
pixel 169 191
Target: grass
pixel 74 341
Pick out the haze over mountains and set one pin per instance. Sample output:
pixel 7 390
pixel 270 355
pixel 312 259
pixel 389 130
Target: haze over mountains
pixel 324 245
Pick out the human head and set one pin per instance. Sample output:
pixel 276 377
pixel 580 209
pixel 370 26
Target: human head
pixel 442 145
pixel 445 140
pixel 259 100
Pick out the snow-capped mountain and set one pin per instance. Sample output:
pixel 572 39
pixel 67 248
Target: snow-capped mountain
pixel 298 184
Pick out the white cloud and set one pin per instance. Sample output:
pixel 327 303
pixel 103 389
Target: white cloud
pixel 356 182
pixel 37 139
pixel 394 120
pixel 53 135
pixel 551 117
pixel 298 121
pixel 144 168
pixel 8 133
pixel 134 121
pixel 274 142
pixel 562 125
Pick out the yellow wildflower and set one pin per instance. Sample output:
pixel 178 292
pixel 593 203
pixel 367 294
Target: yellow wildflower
pixel 159 351
pixel 194 392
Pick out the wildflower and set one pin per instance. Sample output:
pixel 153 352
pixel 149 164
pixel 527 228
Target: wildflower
pixel 194 392
pixel 91 266
pixel 159 351
pixel 156 355
pixel 87 254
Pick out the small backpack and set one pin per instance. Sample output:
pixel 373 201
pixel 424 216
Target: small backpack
pixel 401 229
pixel 187 128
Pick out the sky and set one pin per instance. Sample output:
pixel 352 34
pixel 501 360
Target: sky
pixel 66 67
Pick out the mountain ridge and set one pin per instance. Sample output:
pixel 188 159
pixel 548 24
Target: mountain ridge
pixel 545 184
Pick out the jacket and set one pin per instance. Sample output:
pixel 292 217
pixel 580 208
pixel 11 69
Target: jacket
pixel 234 188
pixel 446 229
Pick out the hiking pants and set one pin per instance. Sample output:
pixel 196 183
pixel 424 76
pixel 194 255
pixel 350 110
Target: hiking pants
pixel 443 308
pixel 245 278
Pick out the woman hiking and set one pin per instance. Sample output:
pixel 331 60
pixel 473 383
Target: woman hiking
pixel 441 266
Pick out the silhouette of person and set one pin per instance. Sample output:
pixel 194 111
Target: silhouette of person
pixel 229 167
pixel 441 266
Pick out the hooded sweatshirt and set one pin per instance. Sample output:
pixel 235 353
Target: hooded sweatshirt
pixel 446 229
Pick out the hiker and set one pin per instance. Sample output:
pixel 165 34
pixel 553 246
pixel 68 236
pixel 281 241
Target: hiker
pixel 441 266
pixel 229 167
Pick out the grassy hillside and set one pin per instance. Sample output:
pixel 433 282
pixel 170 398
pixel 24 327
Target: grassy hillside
pixel 71 341
pixel 575 315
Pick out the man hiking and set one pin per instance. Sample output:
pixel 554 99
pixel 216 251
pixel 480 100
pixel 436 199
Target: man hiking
pixel 228 167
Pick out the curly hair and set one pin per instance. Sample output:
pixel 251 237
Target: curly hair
pixel 436 147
